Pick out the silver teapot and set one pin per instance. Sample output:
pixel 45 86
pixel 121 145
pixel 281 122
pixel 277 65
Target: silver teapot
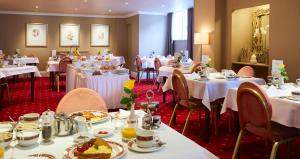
pixel 64 125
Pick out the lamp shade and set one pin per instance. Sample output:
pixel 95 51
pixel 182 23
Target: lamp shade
pixel 201 38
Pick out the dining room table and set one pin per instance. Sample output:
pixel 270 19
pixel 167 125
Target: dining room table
pixel 109 85
pixel 176 146
pixel 12 70
pixel 24 60
pixel 285 108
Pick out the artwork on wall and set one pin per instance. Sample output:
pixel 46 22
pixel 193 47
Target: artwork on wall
pixel 69 34
pixel 99 35
pixel 36 34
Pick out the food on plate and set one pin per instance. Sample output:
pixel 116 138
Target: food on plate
pixel 108 67
pixel 95 148
pixel 102 132
pixel 91 116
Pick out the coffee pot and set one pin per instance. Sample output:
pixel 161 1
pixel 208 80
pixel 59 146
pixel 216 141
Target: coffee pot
pixel 64 125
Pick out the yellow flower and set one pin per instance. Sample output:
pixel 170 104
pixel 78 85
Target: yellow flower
pixel 209 59
pixel 281 66
pixel 129 84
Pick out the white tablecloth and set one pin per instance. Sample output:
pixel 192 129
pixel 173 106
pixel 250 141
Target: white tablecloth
pixel 109 87
pixel 167 71
pixel 177 147
pixel 211 89
pixel 284 111
pixel 13 70
pixel 52 66
pixel 149 62
pixel 25 60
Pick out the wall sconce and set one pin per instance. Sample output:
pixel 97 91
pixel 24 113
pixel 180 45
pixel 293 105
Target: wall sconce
pixel 201 38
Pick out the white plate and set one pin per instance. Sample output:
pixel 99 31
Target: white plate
pixel 293 98
pixel 133 146
pixel 108 130
pixel 96 113
pixel 5 127
pixel 118 151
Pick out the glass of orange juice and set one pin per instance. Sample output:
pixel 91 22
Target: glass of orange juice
pixel 2 151
pixel 128 133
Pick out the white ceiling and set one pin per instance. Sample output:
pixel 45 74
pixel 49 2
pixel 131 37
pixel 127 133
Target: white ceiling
pixel 121 8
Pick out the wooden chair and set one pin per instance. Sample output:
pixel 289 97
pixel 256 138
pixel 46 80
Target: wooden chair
pixel 157 80
pixel 255 112
pixel 62 66
pixel 246 71
pixel 3 86
pixel 81 99
pixel 139 68
pixel 196 67
pixel 182 98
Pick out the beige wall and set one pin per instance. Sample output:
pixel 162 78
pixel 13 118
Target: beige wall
pixel 12 35
pixel 284 31
pixel 133 39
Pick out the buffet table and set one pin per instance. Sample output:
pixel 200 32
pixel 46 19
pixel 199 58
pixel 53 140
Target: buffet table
pixel 25 60
pixel 109 86
pixel 285 110
pixel 177 146
pixel 13 70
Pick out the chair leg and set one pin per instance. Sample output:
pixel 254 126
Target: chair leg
pixel 173 115
pixel 57 82
pixel 237 145
pixel 274 150
pixel 187 121
pixel 138 76
pixel 141 76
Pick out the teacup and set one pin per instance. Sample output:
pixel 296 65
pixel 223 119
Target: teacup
pixel 145 138
pixel 31 117
pixel 296 95
pixel 298 81
pixel 27 137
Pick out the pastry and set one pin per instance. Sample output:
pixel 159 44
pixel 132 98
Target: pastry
pixel 94 149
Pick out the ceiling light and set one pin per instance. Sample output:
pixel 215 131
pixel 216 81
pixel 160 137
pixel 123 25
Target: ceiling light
pixel 36 7
pixel 109 10
pixel 126 3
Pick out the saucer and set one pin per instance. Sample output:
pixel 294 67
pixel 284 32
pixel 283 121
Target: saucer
pixel 103 132
pixel 132 145
pixel 292 98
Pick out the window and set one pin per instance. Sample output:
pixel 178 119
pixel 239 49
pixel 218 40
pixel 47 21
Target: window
pixel 179 25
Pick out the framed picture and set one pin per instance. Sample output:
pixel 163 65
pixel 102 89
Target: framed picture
pixel 99 35
pixel 69 34
pixel 36 34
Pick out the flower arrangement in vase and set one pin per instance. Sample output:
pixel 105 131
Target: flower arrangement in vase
pixel 283 73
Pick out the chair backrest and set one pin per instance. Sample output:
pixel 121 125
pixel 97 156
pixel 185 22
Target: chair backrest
pixel 180 87
pixel 138 63
pixel 81 99
pixel 246 71
pixel 254 109
pixel 196 67
pixel 157 64
pixel 62 66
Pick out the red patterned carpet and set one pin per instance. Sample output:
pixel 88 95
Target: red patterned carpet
pixel 222 146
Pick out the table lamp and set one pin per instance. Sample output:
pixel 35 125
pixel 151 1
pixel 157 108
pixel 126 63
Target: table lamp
pixel 201 38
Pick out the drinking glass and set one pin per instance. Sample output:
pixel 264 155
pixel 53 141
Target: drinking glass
pixel 46 132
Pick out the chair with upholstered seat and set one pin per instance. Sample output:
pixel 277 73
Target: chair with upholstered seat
pixel 3 86
pixel 62 66
pixel 196 67
pixel 255 112
pixel 81 99
pixel 157 65
pixel 140 70
pixel 246 71
pixel 182 98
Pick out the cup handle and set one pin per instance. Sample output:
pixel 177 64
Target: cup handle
pixel 21 119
